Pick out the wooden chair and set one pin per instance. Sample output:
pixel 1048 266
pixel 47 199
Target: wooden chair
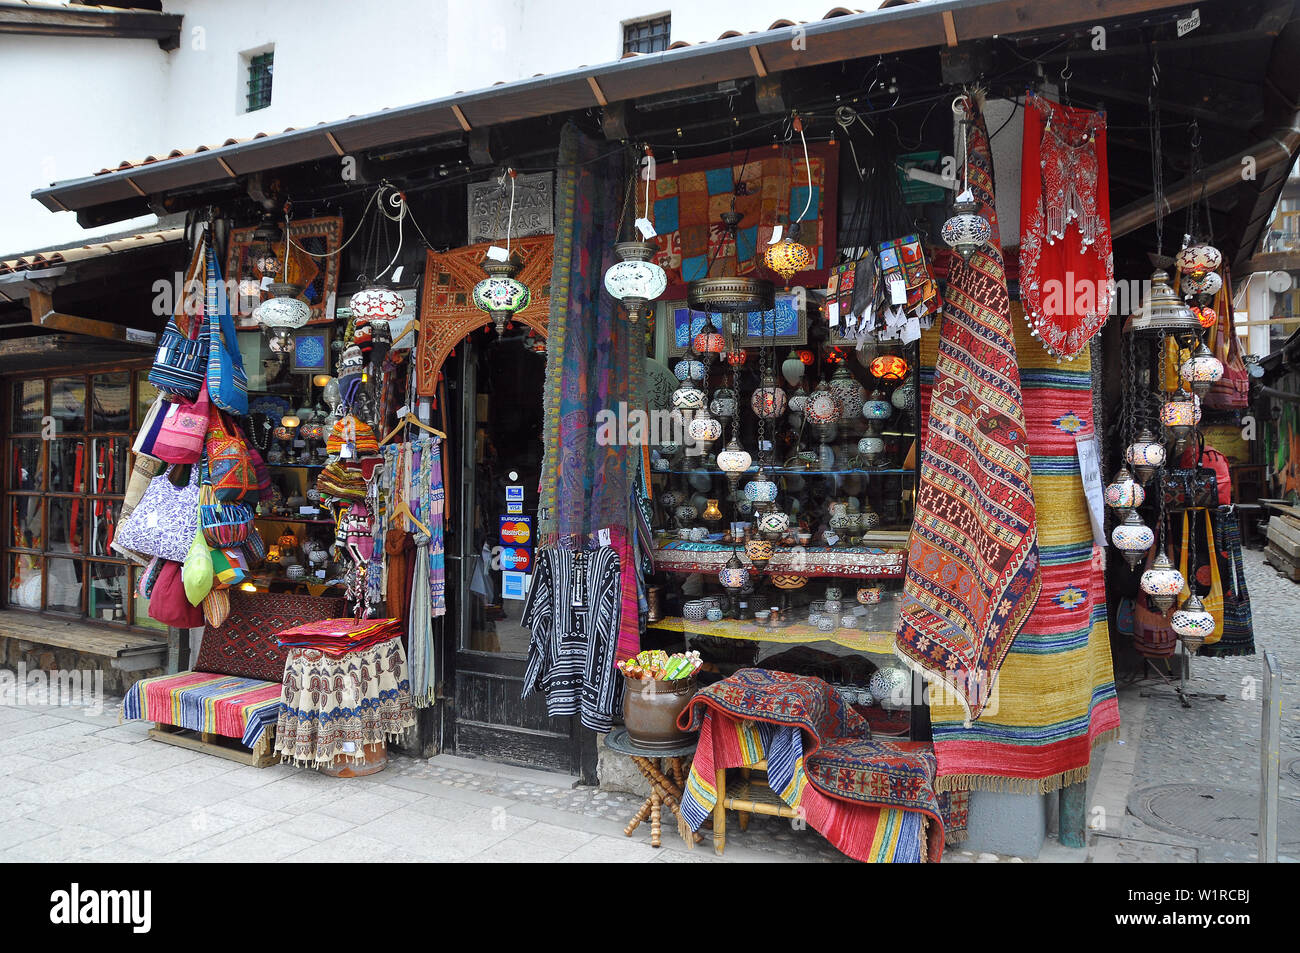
pixel 748 795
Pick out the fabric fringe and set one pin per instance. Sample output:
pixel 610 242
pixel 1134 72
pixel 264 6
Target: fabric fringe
pixel 685 831
pixel 1006 785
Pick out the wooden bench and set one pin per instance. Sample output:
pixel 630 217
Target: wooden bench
pixel 126 649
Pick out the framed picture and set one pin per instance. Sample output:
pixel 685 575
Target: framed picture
pixel 310 264
pixel 311 351
pixel 786 324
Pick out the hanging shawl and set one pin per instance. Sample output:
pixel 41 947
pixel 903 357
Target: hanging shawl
pixel 421 630
pixel 1066 275
pixel 595 361
pixel 972 566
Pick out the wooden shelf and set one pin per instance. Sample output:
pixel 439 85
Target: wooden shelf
pixel 798 633
pixel 849 562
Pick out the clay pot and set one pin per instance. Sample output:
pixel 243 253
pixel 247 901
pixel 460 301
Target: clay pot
pixel 343 767
pixel 650 710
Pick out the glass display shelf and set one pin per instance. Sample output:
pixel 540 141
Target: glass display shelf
pixel 796 633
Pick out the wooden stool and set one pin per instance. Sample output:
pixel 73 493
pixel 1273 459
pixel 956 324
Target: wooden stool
pixel 666 781
pixel 746 797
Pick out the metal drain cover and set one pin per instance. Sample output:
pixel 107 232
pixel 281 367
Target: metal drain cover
pixel 1203 811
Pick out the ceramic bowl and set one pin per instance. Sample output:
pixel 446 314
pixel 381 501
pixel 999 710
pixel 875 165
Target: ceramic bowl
pixel 834 593
pixel 826 624
pixel 762 615
pixel 833 606
pixel 695 610
pixel 713 615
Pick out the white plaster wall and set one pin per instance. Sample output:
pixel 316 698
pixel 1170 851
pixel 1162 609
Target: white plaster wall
pixel 87 104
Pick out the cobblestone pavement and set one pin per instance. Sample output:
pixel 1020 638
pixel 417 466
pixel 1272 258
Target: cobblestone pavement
pixel 1211 750
pixel 75 785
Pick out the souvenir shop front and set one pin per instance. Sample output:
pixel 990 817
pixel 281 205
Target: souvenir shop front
pixel 741 438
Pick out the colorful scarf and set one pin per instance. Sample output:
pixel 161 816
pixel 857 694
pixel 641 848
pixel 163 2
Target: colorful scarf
pixel 586 486
pixel 1056 690
pixel 972 567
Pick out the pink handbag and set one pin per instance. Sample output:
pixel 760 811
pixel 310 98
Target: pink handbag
pixel 180 439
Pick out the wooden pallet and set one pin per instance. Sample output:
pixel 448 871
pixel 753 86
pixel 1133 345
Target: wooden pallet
pixel 260 756
pixel 1283 563
pixel 1284 535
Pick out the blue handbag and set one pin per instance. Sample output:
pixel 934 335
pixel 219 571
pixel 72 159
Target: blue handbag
pixel 181 363
pixel 227 381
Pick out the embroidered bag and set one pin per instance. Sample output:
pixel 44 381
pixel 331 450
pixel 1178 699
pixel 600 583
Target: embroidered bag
pixel 168 603
pixel 224 524
pixel 227 381
pixel 149 427
pixel 1213 600
pixel 181 362
pixel 1190 486
pixel 216 607
pixel 165 520
pixel 196 571
pixel 229 567
pixel 230 467
pixel 1238 621
pixel 1232 390
pixel 180 439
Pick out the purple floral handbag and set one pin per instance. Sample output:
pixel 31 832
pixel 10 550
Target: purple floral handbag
pixel 165 520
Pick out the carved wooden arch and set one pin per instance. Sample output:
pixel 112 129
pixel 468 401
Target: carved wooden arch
pixel 447 312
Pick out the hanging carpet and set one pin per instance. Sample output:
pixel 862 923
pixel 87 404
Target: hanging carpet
pixel 972 568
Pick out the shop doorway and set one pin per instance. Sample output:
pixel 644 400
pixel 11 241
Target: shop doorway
pixel 496 392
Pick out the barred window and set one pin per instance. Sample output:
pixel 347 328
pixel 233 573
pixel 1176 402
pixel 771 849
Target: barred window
pixel 260 68
pixel 647 36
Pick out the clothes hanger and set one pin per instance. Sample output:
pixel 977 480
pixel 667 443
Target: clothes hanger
pixel 410 418
pixel 404 509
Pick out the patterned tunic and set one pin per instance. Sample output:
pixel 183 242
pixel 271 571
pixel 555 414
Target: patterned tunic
pixel 574 610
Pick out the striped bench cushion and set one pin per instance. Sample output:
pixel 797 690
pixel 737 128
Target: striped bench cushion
pixel 226 705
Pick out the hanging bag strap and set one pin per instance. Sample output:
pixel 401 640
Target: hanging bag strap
pixel 1214 600
pixel 1182 559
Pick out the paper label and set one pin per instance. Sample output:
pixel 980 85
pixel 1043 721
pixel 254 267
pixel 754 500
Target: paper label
pixel 1090 471
pixel 646 229
pixel 833 314
pixel 397 274
pixel 765 445
pixel 776 234
pixel 832 539
pixel 497 253
pixel 897 290
pixel 603 536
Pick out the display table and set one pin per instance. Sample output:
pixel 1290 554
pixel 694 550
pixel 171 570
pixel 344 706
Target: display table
pixel 798 633
pixel 337 711
pixel 665 786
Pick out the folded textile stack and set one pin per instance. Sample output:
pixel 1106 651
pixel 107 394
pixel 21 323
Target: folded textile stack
pixel 337 637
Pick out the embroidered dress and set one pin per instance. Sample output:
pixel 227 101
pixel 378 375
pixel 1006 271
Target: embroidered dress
pixel 573 610
pixel 1066 275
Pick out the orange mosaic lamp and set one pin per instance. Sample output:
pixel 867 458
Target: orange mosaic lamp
pixel 787 258
pixel 889 367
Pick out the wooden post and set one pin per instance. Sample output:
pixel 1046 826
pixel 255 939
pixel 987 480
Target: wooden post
pixel 1072 810
pixel 1270 760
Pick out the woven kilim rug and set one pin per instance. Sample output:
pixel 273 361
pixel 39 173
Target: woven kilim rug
pixel 972 566
pixel 1055 694
pixel 873 800
pixel 225 705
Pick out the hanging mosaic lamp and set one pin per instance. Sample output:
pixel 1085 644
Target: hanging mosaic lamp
pixel 724 404
pixel 737 358
pixel 1145 455
pixel 966 231
pixel 1208 284
pixel 690 367
pixel 501 294
pixel 1198 258
pixel 1133 538
pixel 281 315
pixel 1163 310
pixel 733 461
pixel 797 404
pixel 877 408
pixel 822 412
pixel 1206 315
pixel 760 490
pixel 773 524
pixel 1162 582
pixel 712 513
pixel 889 368
pixel 848 393
pixel 735 574
pixel 689 396
pixel 787 258
pixel 709 343
pixel 704 429
pixel 377 302
pixel 1178 415
pixel 904 397
pixel 768 401
pixel 759 552
pixel 1192 622
pixel 1124 494
pixel 1201 370
pixel 870 448
pixel 635 279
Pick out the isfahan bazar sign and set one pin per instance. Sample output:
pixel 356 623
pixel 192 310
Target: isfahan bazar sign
pixel 489 208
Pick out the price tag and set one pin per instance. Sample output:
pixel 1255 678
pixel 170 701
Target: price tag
pixel 267 281
pixel 832 539
pixel 497 253
pixel 897 290
pixel 308 511
pixel 645 228
pixel 397 274
pixel 765 445
pixel 776 234
pixel 320 573
pixel 602 535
